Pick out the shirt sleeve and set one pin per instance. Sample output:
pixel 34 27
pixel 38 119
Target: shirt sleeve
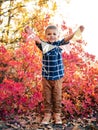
pixel 39 45
pixel 63 42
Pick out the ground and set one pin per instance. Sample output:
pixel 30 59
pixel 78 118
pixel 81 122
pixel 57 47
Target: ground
pixel 32 120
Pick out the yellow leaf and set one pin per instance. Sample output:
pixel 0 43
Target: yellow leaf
pixel 77 35
pixel 54 6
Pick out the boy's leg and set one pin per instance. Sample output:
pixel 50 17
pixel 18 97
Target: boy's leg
pixel 47 95
pixel 47 89
pixel 57 98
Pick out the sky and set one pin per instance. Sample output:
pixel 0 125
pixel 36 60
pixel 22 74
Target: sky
pixel 82 12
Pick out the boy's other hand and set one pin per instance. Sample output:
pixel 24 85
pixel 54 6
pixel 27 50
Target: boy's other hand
pixel 81 28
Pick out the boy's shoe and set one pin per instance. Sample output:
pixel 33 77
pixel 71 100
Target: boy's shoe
pixel 46 119
pixel 57 118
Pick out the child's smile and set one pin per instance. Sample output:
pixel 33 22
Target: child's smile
pixel 52 35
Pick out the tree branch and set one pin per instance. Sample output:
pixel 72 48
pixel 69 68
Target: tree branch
pixel 12 9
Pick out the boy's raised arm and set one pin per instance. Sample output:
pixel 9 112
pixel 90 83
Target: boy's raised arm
pixel 70 36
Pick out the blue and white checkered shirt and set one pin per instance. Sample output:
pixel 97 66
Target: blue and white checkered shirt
pixel 53 67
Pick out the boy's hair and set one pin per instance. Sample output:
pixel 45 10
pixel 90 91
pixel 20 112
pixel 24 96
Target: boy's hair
pixel 51 27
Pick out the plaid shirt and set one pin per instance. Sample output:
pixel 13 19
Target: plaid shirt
pixel 53 67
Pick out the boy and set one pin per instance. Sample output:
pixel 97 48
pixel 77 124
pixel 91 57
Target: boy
pixel 52 73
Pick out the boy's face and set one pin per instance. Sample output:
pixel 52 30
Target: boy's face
pixel 52 35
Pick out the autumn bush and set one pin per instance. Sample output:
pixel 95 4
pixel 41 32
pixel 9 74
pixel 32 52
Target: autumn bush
pixel 80 81
pixel 20 82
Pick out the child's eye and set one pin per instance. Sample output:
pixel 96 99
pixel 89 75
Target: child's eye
pixel 49 34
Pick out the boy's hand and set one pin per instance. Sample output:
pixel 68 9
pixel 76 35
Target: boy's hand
pixel 81 28
pixel 30 35
pixel 34 37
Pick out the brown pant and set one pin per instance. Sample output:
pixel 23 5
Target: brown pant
pixel 52 93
